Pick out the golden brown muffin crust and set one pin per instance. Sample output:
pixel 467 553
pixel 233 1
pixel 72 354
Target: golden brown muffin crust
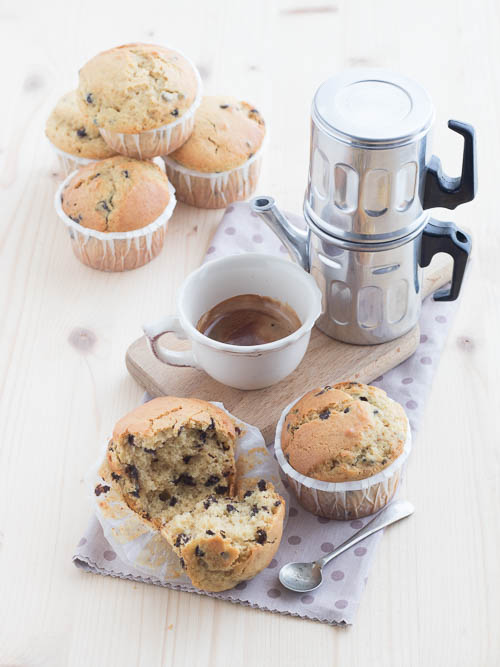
pixel 346 432
pixel 118 194
pixel 73 131
pixel 226 134
pixel 137 87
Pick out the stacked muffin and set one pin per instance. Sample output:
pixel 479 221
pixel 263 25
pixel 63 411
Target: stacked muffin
pixel 143 101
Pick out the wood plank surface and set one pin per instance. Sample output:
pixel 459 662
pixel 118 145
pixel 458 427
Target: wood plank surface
pixel 433 595
pixel 326 361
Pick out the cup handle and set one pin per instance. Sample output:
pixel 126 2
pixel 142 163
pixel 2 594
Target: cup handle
pixel 170 324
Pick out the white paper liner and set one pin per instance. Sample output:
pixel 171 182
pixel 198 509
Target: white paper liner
pixel 342 500
pixel 161 140
pixel 68 162
pixel 141 545
pixel 115 251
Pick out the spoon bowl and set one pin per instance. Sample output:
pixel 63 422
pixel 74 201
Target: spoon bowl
pixel 301 577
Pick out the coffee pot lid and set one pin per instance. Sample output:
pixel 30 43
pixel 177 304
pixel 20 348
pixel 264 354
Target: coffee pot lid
pixel 372 106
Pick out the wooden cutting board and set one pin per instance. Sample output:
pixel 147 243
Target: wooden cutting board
pixel 326 361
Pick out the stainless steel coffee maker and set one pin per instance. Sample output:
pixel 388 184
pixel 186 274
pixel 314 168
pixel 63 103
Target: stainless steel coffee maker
pixel 372 181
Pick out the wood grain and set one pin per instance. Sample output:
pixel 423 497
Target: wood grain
pixel 433 595
pixel 326 361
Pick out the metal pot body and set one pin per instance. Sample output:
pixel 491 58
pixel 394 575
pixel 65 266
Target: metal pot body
pixel 361 194
pixel 371 294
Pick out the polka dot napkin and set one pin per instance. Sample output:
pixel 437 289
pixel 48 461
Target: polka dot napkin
pixel 305 537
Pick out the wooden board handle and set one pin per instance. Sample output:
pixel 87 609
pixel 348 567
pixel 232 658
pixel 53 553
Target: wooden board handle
pixel 437 274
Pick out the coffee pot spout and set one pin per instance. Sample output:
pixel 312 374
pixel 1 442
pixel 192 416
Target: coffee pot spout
pixel 295 240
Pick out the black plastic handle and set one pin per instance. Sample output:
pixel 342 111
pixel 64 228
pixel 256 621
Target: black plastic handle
pixel 446 237
pixel 442 190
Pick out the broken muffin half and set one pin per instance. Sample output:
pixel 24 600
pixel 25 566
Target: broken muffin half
pixel 169 454
pixel 222 541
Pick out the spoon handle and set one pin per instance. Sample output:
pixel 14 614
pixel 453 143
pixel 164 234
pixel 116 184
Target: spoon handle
pixel 397 510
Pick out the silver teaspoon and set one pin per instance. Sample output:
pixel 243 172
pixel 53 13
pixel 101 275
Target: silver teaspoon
pixel 304 577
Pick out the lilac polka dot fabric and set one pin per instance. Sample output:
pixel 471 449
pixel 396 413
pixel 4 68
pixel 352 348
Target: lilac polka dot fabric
pixel 305 536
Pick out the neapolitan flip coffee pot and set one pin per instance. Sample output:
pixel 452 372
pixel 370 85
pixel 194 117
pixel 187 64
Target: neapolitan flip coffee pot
pixel 372 181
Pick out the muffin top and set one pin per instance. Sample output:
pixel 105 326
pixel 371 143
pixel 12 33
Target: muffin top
pixel 342 433
pixel 226 134
pixel 73 131
pixel 137 87
pixel 116 195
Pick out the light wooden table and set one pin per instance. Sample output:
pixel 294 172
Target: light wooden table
pixel 433 595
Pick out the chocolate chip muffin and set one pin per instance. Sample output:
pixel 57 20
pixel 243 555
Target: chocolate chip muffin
pixel 171 453
pixel 220 162
pixel 116 211
pixel 116 195
pixel 72 131
pixel 222 541
pixel 141 96
pixel 347 432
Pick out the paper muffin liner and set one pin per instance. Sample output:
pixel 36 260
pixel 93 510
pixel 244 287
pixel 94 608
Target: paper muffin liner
pixel 69 163
pixel 342 500
pixel 161 140
pixel 137 542
pixel 116 251
pixel 214 189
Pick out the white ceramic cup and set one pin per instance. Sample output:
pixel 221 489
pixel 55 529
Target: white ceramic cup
pixel 240 366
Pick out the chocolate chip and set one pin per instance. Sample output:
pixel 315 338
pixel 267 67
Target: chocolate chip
pixel 198 552
pixel 76 219
pixel 135 493
pixel 226 473
pixel 250 155
pixel 163 496
pixel 363 398
pixel 223 534
pixel 132 472
pixel 225 447
pixel 346 410
pixel 213 479
pixel 173 501
pixel 324 414
pixel 175 112
pixel 325 388
pixel 115 476
pixel 81 132
pixel 265 508
pixel 211 426
pixel 183 564
pixel 125 173
pixel 209 501
pixel 375 412
pixel 253 111
pixel 185 479
pixel 181 539
pixel 247 493
pixel 237 430
pixel 209 532
pixel 223 106
pixel 101 488
pixel 277 503
pixel 89 99
pixel 149 451
pixel 186 458
pixel 130 439
pixel 104 205
pixel 384 461
pixel 262 484
pixel 203 436
pixel 254 510
pixel 221 489
pixel 261 536
pixel 231 508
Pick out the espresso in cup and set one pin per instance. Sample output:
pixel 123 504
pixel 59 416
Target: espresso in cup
pixel 249 319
